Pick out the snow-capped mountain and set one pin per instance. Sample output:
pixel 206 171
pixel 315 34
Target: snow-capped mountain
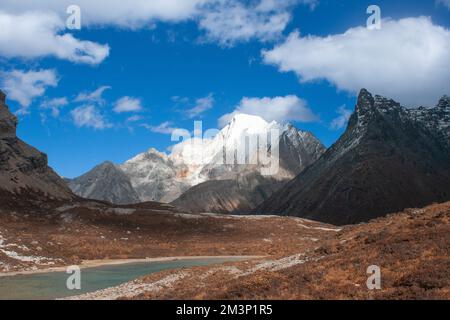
pixel 248 144
pixel 240 187
pixel 389 158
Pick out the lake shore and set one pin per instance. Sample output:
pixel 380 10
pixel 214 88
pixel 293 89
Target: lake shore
pixel 109 262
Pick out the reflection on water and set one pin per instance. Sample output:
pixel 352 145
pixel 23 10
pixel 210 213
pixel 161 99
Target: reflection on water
pixel 53 285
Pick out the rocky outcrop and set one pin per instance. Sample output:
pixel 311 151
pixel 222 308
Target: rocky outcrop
pixel 389 158
pixel 23 169
pixel 105 182
pixel 155 177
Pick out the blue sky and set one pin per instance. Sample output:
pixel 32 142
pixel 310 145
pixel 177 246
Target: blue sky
pixel 169 68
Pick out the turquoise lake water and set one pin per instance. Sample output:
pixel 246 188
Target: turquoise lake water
pixel 52 285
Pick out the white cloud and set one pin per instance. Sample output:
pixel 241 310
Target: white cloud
pixel 201 105
pixel 127 104
pixel 33 28
pixel 40 34
pixel 134 118
pixel 95 96
pixel 24 86
pixel 341 121
pixel 163 128
pixel 279 109
pixel 231 21
pixel 408 59
pixel 444 2
pixel 126 14
pixel 55 105
pixel 89 116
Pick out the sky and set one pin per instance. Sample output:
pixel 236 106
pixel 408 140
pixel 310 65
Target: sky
pixel 137 70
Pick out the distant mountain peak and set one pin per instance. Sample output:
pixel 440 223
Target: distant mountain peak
pixel 247 118
pixel 365 101
pixel 106 164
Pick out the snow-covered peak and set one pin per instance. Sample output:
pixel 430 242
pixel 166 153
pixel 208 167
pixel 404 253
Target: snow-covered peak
pixel 150 155
pixel 244 122
pixel 224 154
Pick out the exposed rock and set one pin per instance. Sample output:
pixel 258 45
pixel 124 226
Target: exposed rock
pixel 236 196
pixel 105 182
pixel 155 177
pixel 389 158
pixel 22 167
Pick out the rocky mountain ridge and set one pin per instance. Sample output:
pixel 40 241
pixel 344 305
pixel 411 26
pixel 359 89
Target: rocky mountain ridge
pixel 24 169
pixel 388 159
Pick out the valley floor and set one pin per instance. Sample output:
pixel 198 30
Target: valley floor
pixel 301 259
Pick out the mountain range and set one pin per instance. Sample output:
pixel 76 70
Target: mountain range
pixel 195 165
pixel 388 159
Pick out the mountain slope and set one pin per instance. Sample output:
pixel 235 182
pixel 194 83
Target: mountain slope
pixel 105 182
pixel 388 159
pixel 23 169
pixel 239 195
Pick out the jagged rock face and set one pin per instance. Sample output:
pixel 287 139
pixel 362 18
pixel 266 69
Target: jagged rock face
pixel 22 167
pixel 105 182
pixel 155 177
pixel 8 121
pixel 388 159
pixel 298 149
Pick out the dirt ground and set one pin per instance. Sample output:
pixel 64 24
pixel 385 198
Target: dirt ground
pixel 411 248
pixel 302 259
pixel 35 237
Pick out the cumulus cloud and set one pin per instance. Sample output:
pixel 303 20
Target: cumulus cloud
pixel 230 21
pixel 40 34
pixel 279 109
pixel 126 14
pixel 341 120
pixel 54 105
pixel 223 21
pixel 127 104
pixel 95 96
pixel 24 86
pixel 201 105
pixel 89 116
pixel 408 59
